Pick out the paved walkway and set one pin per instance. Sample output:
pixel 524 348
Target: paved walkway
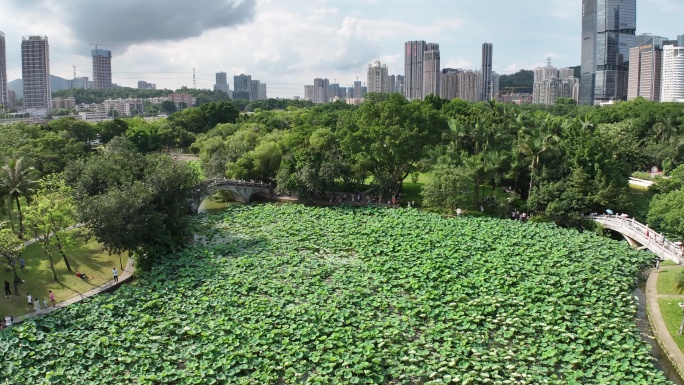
pixel 124 276
pixel 659 328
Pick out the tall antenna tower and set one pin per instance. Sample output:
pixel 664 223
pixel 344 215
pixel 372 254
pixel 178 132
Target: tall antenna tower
pixel 194 80
pixel 74 72
pixel 548 61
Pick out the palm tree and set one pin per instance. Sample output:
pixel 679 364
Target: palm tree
pixel 18 181
pixel 536 139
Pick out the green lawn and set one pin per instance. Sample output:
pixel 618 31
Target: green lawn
pixel 672 314
pixel 666 281
pixel 88 258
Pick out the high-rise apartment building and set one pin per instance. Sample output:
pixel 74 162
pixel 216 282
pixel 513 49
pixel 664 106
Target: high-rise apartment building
pixel 645 69
pixel 102 68
pixel 551 83
pixel 414 53
pixel 673 72
pixel 460 84
pixel 221 82
pixel 431 70
pixel 262 92
pixel 35 70
pixel 486 71
pixel 143 85
pixel 254 90
pixel 608 32
pixel 80 82
pixel 398 84
pixel 320 90
pixel 308 92
pixel 378 78
pixel 4 96
pixel 449 84
pixel 243 87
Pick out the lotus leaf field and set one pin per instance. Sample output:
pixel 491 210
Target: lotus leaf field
pixel 288 294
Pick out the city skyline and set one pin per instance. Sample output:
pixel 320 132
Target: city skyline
pixel 288 44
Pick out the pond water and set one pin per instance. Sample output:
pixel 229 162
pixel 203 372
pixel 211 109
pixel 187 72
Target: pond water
pixel 661 361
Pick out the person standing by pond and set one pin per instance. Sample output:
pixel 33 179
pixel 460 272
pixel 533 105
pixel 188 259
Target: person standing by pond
pixel 115 274
pixel 8 292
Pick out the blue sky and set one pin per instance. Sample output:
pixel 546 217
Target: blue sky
pixel 288 43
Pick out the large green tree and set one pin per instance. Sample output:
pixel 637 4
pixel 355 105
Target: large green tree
pixel 142 207
pixel 19 182
pixel 389 138
pixel 10 247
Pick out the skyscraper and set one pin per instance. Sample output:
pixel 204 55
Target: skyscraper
pixel 102 68
pixel 608 32
pixel 645 69
pixel 4 99
pixel 378 78
pixel 486 71
pixel 35 69
pixel 673 72
pixel 221 82
pixel 431 70
pixel 413 69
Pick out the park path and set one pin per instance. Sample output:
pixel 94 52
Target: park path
pixel 124 276
pixel 666 341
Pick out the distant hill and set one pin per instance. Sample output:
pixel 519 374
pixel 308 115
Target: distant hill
pixel 56 84
pixel 521 81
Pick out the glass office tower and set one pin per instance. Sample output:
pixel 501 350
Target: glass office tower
pixel 608 32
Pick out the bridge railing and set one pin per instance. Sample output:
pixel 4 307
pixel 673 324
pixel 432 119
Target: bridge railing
pixel 642 234
pixel 217 182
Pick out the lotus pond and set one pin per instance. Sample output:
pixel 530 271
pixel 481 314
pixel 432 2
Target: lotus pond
pixel 289 294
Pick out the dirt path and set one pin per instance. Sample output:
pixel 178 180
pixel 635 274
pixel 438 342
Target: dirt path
pixel 659 328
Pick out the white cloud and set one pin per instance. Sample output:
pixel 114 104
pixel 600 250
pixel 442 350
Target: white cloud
pixel 288 43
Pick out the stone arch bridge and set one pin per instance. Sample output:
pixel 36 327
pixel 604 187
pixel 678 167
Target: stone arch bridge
pixel 641 236
pixel 241 190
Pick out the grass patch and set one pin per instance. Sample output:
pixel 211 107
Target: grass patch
pixel 88 258
pixel 667 281
pixel 668 263
pixel 672 314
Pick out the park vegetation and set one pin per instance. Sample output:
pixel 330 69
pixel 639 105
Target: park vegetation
pixel 558 163
pixel 285 294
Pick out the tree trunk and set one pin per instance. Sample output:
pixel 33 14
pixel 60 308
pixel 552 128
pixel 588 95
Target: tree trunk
pixel 21 219
pixel 46 247
pixel 532 167
pixel 16 277
pixel 9 213
pixel 61 251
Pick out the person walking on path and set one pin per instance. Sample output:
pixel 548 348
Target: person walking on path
pixel 657 263
pixel 115 274
pixel 8 293
pixel 22 264
pixel 52 298
pixel 30 300
pixel 36 305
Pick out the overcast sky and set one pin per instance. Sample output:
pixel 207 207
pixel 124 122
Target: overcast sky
pixel 287 43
